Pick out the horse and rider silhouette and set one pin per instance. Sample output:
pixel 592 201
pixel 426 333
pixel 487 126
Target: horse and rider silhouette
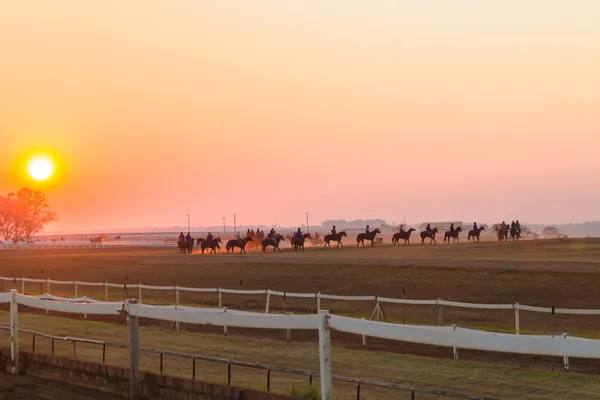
pixel 367 235
pixel 298 241
pixel 239 243
pixel 429 234
pixel 402 234
pixel 475 233
pixel 452 234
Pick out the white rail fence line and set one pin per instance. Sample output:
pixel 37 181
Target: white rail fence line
pixel 81 245
pixel 323 322
pixel 377 312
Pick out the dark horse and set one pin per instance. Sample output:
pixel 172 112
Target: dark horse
pixel 298 243
pixel 429 234
pixel 185 246
pixel 474 233
pixel 503 234
pixel 233 243
pixel 335 238
pixel 272 242
pixel 213 245
pixel 452 234
pixel 360 239
pixel 404 235
pixel 515 234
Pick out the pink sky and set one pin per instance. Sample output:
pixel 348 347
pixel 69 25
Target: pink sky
pixel 433 110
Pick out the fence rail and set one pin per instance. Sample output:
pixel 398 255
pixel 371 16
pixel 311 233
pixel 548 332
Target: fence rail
pixel 268 293
pixel 269 368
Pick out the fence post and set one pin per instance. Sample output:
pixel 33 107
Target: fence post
pixel 268 301
pixel 22 285
pixel 364 338
pixel 47 285
pixel 288 332
pixel 440 314
pixel 454 349
pixel 517 322
pixel 134 354
pixel 318 296
pixel 220 298
pixel 325 356
pixel 14 332
pixel 225 326
pixel 177 323
pixel 566 358
pixel 139 293
pixel 76 291
pixel 105 292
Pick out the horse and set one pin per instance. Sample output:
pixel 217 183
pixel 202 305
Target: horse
pixel 503 234
pixel 452 234
pixel 515 234
pixel 361 237
pixel 429 234
pixel 335 238
pixel 299 243
pixel 181 246
pixel 474 233
pixel 404 235
pixel 213 245
pixel 270 242
pixel 233 243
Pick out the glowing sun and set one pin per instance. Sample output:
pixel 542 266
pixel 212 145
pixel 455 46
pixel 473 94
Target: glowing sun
pixel 40 168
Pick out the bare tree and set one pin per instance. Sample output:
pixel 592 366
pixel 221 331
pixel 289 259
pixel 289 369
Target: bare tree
pixel 7 216
pixel 26 213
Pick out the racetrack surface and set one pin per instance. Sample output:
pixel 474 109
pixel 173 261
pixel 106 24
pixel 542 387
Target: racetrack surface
pixel 562 273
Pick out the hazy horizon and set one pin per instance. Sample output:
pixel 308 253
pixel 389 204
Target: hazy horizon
pixel 433 111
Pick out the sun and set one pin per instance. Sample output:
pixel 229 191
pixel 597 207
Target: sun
pixel 40 168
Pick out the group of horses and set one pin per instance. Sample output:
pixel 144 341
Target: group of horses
pixel 453 234
pixel 298 242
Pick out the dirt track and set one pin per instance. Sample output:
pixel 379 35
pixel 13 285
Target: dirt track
pixel 24 387
pixel 563 273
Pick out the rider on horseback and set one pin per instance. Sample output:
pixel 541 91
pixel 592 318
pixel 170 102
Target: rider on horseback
pixel 401 229
pixel 271 235
pixel 188 238
pixel 299 234
pixel 452 227
pixel 503 225
pixel 367 231
pixel 238 236
pixel 428 228
pixel 333 231
pixel 474 226
pixel 181 237
pixel 209 237
pixel 518 226
pixel 512 225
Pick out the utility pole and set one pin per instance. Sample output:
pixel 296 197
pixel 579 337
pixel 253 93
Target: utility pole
pixel 188 215
pixel 307 227
pixel 224 219
pixel 234 225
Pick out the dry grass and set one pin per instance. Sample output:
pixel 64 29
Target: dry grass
pixel 462 376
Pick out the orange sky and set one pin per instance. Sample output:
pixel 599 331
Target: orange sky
pixel 433 110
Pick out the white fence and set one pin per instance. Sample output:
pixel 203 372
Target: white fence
pixel 440 303
pixel 323 322
pixel 82 245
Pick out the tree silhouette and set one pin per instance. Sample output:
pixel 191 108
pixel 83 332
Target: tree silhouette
pixel 24 213
pixel 550 232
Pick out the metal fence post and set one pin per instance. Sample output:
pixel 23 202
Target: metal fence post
pixel 14 332
pixel 134 354
pixel 325 356
pixel 268 301
pixel 566 358
pixel 440 314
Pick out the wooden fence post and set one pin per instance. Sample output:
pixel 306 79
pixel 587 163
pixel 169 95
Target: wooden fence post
pixel 22 285
pixel 325 356
pixel 318 296
pixel 139 293
pixel 14 332
pixel 288 332
pixel 105 292
pixel 454 349
pixel 134 355
pixel 440 314
pixel 268 301
pixel 517 322
pixel 76 291
pixel 364 338
pixel 220 298
pixel 566 358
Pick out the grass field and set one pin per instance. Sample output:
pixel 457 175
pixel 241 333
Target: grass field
pixel 560 273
